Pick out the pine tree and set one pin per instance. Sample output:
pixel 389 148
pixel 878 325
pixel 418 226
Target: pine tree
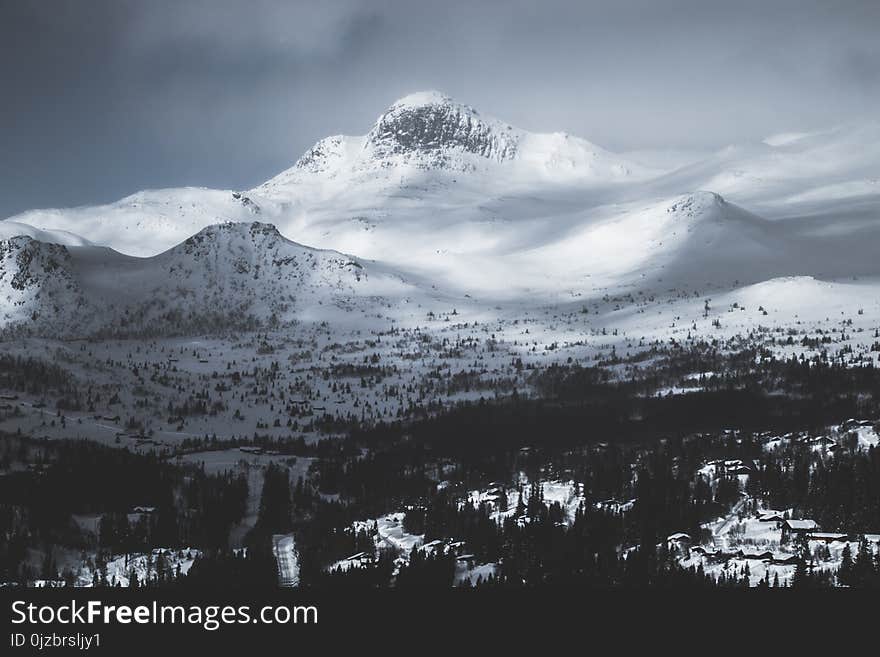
pixel 844 573
pixel 863 566
pixel 801 577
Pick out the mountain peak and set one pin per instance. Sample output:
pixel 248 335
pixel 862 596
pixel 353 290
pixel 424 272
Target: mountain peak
pixel 238 229
pixel 696 203
pixel 428 130
pixel 423 99
pixel 431 123
pixel 252 234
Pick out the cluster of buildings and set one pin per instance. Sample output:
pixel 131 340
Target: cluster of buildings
pixel 762 534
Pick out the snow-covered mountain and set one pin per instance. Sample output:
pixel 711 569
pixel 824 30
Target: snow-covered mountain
pixel 698 241
pixel 429 131
pixel 232 275
pixel 145 223
pixel 427 164
pixel 440 193
pixel 37 286
pixel 828 165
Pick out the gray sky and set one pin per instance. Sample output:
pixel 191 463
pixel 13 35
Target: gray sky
pixel 100 98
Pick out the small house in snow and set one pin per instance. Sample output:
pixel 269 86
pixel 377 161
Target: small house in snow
pixel 784 559
pixel 791 529
pixel 756 555
pixel 827 537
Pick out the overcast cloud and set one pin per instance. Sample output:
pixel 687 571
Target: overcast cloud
pixel 101 98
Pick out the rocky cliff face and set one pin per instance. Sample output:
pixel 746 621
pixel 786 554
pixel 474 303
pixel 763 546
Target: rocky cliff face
pixel 432 127
pixel 37 288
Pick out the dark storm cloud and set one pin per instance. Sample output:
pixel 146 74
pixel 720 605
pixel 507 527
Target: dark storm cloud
pixel 101 98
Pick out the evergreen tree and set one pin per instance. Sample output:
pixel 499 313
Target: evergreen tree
pixel 845 572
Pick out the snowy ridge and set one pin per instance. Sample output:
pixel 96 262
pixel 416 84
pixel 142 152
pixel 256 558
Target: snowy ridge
pixel 226 276
pixel 10 229
pixel 326 155
pixel 144 223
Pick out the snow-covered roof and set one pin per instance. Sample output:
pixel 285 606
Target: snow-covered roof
pixel 801 524
pixel 829 536
pixel 756 554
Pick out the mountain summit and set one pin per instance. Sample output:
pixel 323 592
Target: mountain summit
pixel 430 132
pixel 431 122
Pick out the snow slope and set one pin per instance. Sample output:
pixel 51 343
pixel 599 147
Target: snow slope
pixel 827 177
pixel 227 275
pixel 148 222
pixel 10 229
